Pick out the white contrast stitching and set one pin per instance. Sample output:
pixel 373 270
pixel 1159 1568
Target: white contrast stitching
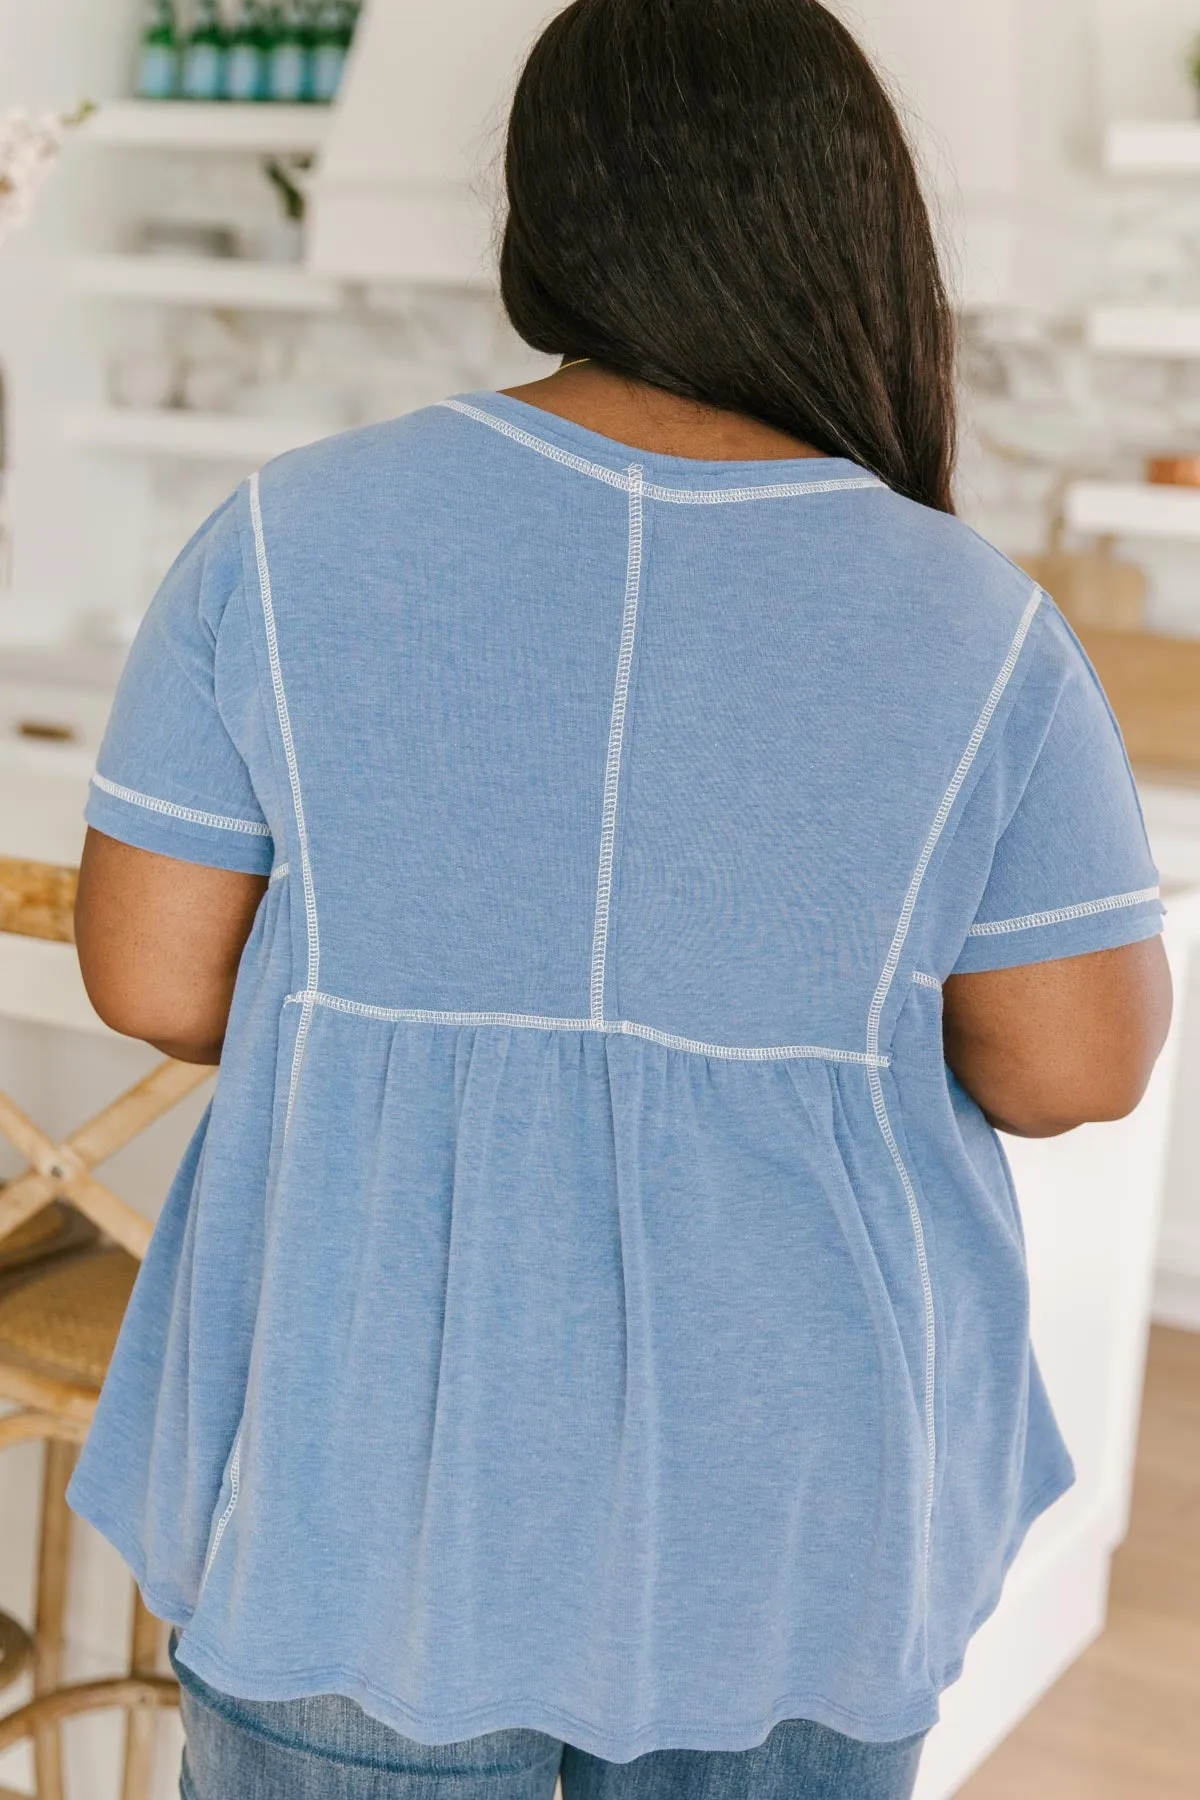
pixel 613 477
pixel 235 1474
pixel 780 490
pixel 280 870
pixel 410 1015
pixel 1060 916
pixel 419 1015
pixel 218 821
pixel 918 1230
pixel 920 979
pixel 732 1053
pixel 875 1014
pixel 943 813
pixel 616 734
pixel 289 751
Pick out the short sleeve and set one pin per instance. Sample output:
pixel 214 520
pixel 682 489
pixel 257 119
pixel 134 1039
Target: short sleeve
pixel 169 775
pixel 1072 870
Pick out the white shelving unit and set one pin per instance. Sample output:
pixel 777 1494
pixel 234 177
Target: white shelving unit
pixel 1168 147
pixel 201 126
pixel 197 281
pixel 1134 509
pixel 1145 330
pixel 194 436
pixel 184 128
pixel 1131 508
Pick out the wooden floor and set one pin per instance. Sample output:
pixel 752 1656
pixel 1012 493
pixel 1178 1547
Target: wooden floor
pixel 1124 1722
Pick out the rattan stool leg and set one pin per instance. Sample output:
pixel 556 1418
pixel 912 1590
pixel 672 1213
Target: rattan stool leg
pixel 141 1721
pixel 53 1554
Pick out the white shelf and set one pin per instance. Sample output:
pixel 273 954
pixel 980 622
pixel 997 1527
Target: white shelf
pixel 1145 330
pixel 200 125
pixel 200 437
pixel 214 281
pixel 1169 147
pixel 1134 509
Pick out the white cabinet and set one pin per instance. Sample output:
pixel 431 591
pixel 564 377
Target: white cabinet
pixel 1173 819
pixel 406 188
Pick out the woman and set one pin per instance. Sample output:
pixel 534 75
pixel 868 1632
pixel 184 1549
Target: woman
pixel 627 845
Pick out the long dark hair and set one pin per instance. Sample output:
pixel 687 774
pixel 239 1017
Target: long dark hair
pixel 717 197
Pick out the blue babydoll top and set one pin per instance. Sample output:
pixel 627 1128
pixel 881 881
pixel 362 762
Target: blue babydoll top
pixel 589 1303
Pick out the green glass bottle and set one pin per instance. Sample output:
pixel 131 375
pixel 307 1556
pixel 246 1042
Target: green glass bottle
pixel 291 55
pixel 246 60
pixel 203 63
pixel 331 41
pixel 158 61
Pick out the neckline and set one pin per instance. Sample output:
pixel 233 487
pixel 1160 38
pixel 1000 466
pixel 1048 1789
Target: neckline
pixel 682 472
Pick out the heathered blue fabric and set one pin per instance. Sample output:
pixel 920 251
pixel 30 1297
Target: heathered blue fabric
pixel 589 1304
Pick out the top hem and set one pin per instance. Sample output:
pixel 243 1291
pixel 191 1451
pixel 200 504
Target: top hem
pixel 536 1715
pixel 498 1715
pixel 917 1718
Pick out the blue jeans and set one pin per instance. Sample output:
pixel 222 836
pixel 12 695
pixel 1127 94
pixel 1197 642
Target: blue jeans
pixel 327 1748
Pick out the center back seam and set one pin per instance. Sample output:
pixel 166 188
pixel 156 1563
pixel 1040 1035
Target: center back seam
pixel 616 738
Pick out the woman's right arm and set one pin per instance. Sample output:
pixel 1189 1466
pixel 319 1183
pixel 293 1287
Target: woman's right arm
pixel 1048 1046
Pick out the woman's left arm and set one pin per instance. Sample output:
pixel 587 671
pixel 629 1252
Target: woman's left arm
pixel 159 944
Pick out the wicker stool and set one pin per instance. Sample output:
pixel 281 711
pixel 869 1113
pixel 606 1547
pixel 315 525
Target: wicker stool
pixel 69 1253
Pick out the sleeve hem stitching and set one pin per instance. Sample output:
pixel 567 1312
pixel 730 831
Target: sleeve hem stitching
pixel 187 814
pixel 1063 914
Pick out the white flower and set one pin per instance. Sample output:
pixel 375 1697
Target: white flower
pixel 28 148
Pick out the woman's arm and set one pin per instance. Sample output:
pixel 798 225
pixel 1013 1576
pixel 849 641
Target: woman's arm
pixel 1053 1045
pixel 159 944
